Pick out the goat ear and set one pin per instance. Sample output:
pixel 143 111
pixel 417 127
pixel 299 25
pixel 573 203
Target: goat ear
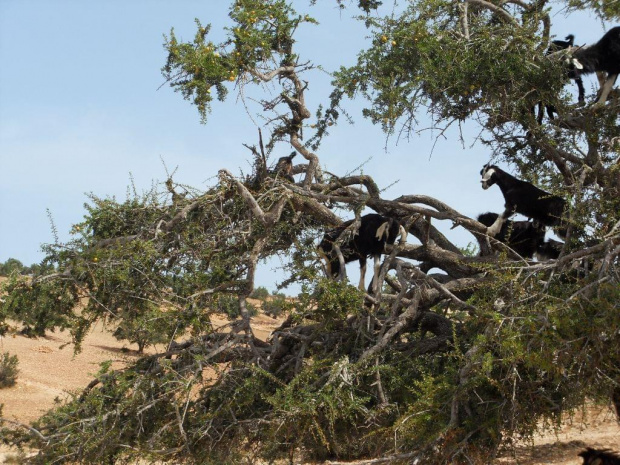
pixel 381 231
pixel 577 64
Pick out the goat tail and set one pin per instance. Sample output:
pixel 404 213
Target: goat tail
pixel 383 230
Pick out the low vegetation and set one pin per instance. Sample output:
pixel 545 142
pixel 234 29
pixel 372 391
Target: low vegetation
pixel 8 370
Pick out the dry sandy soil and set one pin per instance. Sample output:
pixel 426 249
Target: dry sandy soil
pixel 49 369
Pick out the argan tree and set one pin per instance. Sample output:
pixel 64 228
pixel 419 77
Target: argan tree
pixel 445 366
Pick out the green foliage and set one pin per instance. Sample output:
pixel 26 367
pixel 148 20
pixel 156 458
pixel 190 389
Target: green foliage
pixel 420 59
pixel 44 305
pixel 319 408
pixel 107 218
pixel 330 301
pixel 8 370
pixel 608 11
pixel 262 32
pixel 471 250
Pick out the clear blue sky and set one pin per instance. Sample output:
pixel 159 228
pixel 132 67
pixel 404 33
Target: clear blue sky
pixel 80 111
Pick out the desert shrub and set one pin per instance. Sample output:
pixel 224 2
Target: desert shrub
pixel 8 370
pixel 144 328
pixel 277 305
pixel 14 266
pixel 260 293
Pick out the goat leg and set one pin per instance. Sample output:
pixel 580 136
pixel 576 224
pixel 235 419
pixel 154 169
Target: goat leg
pixel 375 276
pixel 495 228
pixel 362 274
pixel 606 89
pixel 582 90
pixel 428 229
pixel 343 269
pixel 403 234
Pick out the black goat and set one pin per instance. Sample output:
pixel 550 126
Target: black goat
pixel 602 57
pixel 374 233
pixel 521 236
pixel 549 250
pixel 599 457
pixel 556 46
pixel 284 167
pixel 525 198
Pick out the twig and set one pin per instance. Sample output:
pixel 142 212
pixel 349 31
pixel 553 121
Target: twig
pixel 29 428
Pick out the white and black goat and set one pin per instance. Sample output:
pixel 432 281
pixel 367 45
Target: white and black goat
pixel 521 236
pixel 601 57
pixel 522 197
pixel 374 233
pixel 599 457
pixel 556 46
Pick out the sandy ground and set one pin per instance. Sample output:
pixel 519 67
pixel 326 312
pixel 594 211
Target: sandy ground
pixel 49 369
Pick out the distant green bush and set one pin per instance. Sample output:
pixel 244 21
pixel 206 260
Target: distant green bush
pixel 13 265
pixel 260 293
pixel 145 328
pixel 229 305
pixel 277 305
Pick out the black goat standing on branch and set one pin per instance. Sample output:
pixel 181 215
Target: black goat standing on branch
pixel 602 57
pixel 375 231
pixel 556 46
pixel 522 197
pixel 521 236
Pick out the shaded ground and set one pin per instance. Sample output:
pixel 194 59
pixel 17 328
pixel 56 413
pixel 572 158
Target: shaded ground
pixel 49 369
pixel 596 427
